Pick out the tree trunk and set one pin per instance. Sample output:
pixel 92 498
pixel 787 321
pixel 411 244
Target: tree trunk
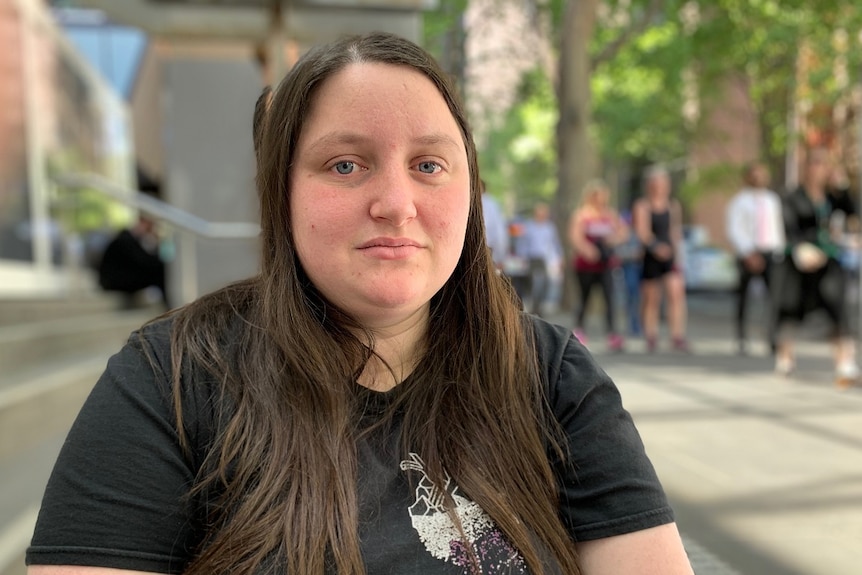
pixel 574 150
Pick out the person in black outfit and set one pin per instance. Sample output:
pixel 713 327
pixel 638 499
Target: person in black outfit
pixel 658 223
pixel 131 262
pixel 810 277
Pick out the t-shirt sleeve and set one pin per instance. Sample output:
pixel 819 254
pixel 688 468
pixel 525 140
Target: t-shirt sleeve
pixel 117 496
pixel 607 484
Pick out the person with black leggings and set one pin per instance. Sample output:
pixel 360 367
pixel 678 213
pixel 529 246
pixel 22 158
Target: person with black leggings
pixel 595 229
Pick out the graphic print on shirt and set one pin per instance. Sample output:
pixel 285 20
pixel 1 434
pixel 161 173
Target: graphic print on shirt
pixel 441 538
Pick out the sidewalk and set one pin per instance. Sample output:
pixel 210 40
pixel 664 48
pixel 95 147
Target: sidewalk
pixel 764 472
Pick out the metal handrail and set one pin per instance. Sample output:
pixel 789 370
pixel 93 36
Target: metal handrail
pixel 159 209
pixel 185 285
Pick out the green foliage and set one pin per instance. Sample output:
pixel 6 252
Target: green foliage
pixel 638 96
pixel 722 177
pixel 518 158
pixel 443 36
pixel 762 38
pixel 639 93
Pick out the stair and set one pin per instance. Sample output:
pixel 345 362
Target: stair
pixel 51 354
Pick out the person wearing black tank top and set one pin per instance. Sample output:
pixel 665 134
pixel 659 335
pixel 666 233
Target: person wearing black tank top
pixel 658 224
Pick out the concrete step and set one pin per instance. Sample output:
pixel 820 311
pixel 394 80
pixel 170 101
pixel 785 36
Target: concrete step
pixel 47 369
pixel 39 405
pixel 27 346
pixel 24 480
pixel 18 311
pixel 35 415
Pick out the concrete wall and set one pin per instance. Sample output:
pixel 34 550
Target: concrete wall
pixel 209 164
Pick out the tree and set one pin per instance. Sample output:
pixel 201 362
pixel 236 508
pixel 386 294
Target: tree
pixel 793 58
pixel 578 58
pixel 518 159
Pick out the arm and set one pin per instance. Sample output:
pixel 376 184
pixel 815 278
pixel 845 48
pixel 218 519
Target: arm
pixel 793 233
pixel 654 551
pixel 621 230
pixel 611 501
pixel 122 474
pixel 778 220
pixel 676 225
pixel 735 227
pixel 640 218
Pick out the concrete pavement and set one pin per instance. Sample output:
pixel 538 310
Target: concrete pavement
pixel 764 471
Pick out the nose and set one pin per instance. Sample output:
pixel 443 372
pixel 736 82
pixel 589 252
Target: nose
pixel 393 197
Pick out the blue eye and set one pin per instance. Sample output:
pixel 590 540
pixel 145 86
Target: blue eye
pixel 428 167
pixel 344 168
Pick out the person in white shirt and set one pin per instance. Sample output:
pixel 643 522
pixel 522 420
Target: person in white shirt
pixel 755 228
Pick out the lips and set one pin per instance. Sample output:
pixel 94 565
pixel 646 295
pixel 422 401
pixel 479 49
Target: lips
pixel 390 248
pixel 389 243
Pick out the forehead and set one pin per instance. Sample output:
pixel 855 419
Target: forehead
pixel 377 97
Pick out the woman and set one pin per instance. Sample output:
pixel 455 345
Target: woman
pixel 372 401
pixel 658 223
pixel 810 278
pixel 595 229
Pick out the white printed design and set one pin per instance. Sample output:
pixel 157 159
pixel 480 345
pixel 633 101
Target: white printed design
pixel 440 536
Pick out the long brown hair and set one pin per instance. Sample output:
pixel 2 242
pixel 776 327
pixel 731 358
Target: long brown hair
pixel 284 461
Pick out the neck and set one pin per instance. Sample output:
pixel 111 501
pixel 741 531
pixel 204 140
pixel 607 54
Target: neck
pixel 815 191
pixel 398 348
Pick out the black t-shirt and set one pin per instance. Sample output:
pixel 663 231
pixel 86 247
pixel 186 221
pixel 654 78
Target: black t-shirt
pixel 118 494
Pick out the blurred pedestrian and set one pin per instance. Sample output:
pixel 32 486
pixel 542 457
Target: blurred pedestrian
pixel 131 263
pixel 595 230
pixel 496 232
pixel 810 277
pixel 658 224
pixel 755 229
pixel 631 254
pixel 841 198
pixel 540 245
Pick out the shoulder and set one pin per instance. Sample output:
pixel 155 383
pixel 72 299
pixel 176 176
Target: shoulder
pixel 566 367
pixel 209 326
pixel 738 198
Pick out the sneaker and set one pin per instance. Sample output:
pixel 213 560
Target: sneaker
pixel 580 336
pixel 784 365
pixel 680 344
pixel 846 375
pixel 615 342
pixel 651 343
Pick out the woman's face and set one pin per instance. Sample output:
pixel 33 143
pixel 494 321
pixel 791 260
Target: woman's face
pixel 658 186
pixel 380 192
pixel 817 167
pixel 600 198
pixel 759 176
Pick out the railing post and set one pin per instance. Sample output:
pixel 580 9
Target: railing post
pixel 186 268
